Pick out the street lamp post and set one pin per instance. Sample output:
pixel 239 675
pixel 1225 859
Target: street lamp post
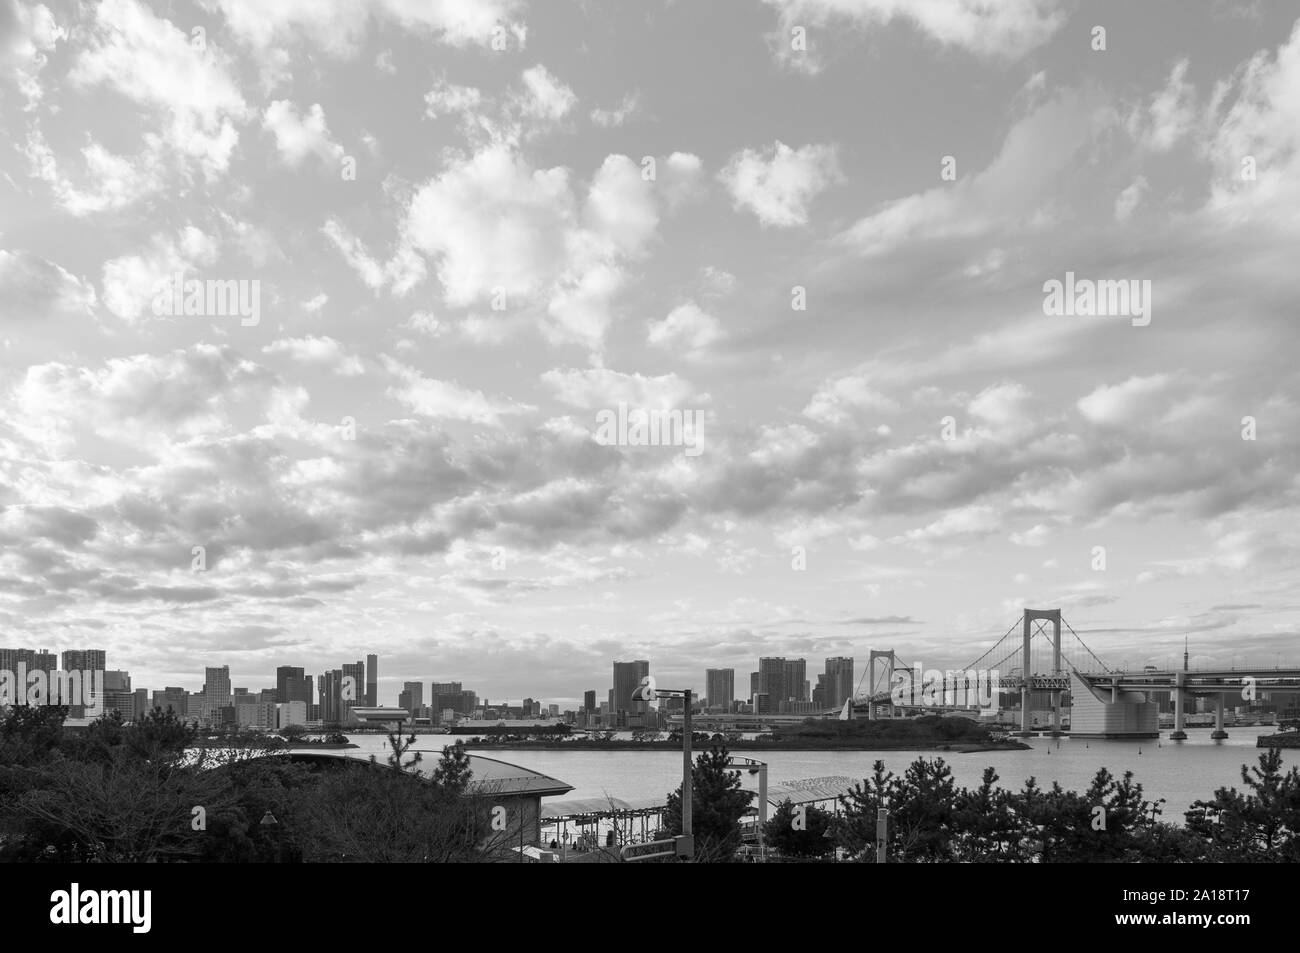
pixel 647 692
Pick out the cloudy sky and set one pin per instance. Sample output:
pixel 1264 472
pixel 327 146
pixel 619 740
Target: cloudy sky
pixel 475 224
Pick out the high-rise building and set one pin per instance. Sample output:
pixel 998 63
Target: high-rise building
pixel 771 682
pixel 216 693
pixel 589 701
pixel 292 685
pixel 117 681
pixel 121 702
pixel 83 660
pixel 720 688
pixel 627 679
pixel 86 660
pixel 141 702
pixel 755 685
pixel 330 687
pixel 839 681
pixel 38 660
pixel 796 680
pixel 372 680
pixel 173 698
pixel 354 691
pixel 411 697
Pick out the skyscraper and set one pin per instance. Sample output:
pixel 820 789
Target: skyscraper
pixel 330 687
pixel 589 701
pixel 839 681
pixel 627 679
pixel 372 680
pixel 292 685
pixel 796 680
pixel 771 682
pixel 720 687
pixel 34 660
pixel 87 660
pixel 216 692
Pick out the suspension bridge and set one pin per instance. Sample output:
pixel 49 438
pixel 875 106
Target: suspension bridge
pixel 1035 656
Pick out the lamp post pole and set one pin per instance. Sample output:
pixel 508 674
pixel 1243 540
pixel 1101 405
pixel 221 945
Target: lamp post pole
pixel 687 792
pixel 648 692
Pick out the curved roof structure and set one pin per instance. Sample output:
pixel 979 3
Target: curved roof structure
pixel 488 775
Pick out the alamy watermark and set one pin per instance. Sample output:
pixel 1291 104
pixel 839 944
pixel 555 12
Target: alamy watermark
pixel 38 687
pixel 1128 297
pixel 639 427
pixel 175 296
pixel 946 688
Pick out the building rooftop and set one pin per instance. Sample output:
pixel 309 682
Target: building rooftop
pixel 489 776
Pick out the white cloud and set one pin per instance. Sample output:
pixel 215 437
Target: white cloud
pixel 402 272
pixel 449 98
pixel 687 327
pixel 1036 535
pixel 339 29
pixel 131 281
pixel 1126 403
pixel 838 400
pixel 111 181
pixel 1005 406
pixel 322 351
pixel 1256 113
pixel 1006 29
pixel 601 387
pixel 1015 191
pixel 445 400
pixel 490 221
pixel 613 118
pixel 28 34
pixel 32 288
pixel 297 136
pixel 426 323
pixel 1171 114
pixel 777 184
pixel 1130 198
pixel 545 97
pixel 150 61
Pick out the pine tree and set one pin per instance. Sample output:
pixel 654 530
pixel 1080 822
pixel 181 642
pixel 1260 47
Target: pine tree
pixel 717 805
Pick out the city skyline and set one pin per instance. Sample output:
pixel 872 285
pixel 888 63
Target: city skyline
pixel 439 248
pixel 283 679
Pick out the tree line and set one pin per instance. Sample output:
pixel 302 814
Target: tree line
pixel 933 820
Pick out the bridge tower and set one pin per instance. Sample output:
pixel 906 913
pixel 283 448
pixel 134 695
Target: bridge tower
pixel 874 682
pixel 1030 617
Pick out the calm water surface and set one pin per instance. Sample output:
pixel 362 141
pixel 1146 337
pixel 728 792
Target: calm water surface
pixel 1179 772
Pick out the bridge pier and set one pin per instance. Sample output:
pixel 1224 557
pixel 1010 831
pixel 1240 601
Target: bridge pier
pixel 1180 722
pixel 1219 733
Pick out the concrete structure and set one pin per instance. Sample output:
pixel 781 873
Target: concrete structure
pixel 380 715
pixel 1101 712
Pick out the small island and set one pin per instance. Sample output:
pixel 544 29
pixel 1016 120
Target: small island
pixel 928 733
